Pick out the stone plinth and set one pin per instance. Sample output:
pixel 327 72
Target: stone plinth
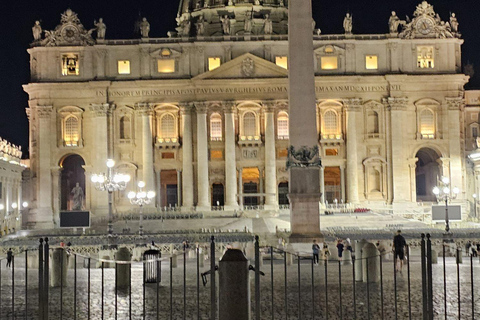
pixel 123 270
pixel 59 267
pixel 371 263
pixel 234 287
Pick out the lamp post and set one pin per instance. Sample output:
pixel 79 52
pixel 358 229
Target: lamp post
pixel 141 198
pixel 443 193
pixel 110 182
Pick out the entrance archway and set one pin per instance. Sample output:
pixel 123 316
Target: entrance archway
pixel 218 195
pixel 427 172
pixel 72 173
pixel 283 193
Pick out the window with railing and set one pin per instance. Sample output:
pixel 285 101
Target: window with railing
pixel 372 124
pixel 125 128
pixel 168 129
pixel 71 131
pixel 427 124
pixel 330 126
pixel 250 126
pixel 282 126
pixel 216 127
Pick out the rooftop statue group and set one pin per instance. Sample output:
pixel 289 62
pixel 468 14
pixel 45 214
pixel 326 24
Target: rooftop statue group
pixel 10 149
pixel 425 23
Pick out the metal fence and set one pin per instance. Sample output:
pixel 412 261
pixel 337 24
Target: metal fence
pixel 284 285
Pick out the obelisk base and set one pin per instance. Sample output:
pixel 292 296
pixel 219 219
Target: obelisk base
pixel 305 218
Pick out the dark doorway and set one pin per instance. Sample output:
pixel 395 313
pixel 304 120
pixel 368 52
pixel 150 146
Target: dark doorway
pixel 168 188
pixel 72 173
pixel 217 195
pixel 427 172
pixel 283 193
pixel 250 187
pixel 172 197
pixel 333 186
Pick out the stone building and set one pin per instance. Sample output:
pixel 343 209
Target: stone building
pixel 202 115
pixel 11 204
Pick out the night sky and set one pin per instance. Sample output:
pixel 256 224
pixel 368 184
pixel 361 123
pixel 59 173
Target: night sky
pixel 18 17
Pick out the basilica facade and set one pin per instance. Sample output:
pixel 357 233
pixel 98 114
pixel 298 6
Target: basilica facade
pixel 202 115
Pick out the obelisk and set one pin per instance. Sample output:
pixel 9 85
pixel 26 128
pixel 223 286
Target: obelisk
pixel 303 159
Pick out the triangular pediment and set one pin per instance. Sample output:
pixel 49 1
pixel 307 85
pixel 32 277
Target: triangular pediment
pixel 246 66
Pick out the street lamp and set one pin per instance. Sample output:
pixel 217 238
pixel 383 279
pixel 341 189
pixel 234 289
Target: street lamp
pixel 141 198
pixel 443 193
pixel 112 181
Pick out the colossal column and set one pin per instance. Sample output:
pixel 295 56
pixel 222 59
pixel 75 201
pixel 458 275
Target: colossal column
pixel 352 107
pixel 187 176
pixel 303 158
pixel 43 218
pixel 270 158
pixel 202 158
pixel 230 161
pixel 455 108
pixel 145 112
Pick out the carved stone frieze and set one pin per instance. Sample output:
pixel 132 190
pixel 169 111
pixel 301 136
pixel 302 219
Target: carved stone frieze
pixel 455 103
pixel 100 110
pixel 397 103
pixel 250 153
pixel 353 104
pixel 44 112
pixel 304 157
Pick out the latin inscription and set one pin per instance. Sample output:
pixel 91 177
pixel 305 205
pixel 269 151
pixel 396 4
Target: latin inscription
pixel 241 90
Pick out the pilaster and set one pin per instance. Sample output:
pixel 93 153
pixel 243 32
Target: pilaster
pixel 270 156
pixel 230 158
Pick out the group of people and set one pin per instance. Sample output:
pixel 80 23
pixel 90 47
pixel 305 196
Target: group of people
pixel 472 249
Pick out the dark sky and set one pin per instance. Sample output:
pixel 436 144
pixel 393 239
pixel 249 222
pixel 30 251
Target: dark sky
pixel 18 16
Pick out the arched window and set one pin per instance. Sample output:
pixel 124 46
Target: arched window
pixel 330 123
pixel 125 127
pixel 249 124
pixel 282 126
pixel 427 124
pixel 372 123
pixel 216 127
pixel 167 127
pixel 71 131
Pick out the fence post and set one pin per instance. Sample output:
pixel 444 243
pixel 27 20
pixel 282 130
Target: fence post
pixel 40 280
pixel 257 279
pixel 424 280
pixel 46 277
pixel 213 294
pixel 429 277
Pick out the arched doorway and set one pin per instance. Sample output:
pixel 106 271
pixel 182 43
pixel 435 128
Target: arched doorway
pixel 72 173
pixel 218 195
pixel 283 193
pixel 427 172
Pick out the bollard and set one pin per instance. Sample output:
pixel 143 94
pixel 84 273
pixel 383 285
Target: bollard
pixel 201 260
pixel 347 257
pixel 56 272
pixel 434 257
pixel 234 287
pixel 459 256
pixel 371 253
pixel 175 259
pixel 289 255
pixel 123 270
pixel 358 259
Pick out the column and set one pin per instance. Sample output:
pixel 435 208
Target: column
pixel 145 113
pixel 230 159
pixel 262 189
pixel 46 128
pixel 158 189
pixel 240 187
pixel 179 188
pixel 202 158
pixel 187 176
pixel 342 182
pixel 322 184
pixel 399 165
pixel 455 108
pixel 98 124
pixel 56 194
pixel 352 107
pixel 270 158
pixel 412 165
pixel 388 126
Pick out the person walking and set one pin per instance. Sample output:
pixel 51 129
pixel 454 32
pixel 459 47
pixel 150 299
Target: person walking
pixel 316 251
pixel 340 247
pixel 325 252
pixel 9 257
pixel 399 244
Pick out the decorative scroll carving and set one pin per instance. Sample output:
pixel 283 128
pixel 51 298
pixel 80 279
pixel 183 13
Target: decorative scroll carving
pixel 304 157
pixel 70 32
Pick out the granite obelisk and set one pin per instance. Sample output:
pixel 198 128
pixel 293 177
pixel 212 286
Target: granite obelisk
pixel 303 157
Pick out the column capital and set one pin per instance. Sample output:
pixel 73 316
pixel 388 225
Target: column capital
pixel 397 103
pixel 412 162
pixel 269 106
pixel 185 108
pixel 229 107
pixel 456 103
pixel 143 108
pixel 100 109
pixel 352 104
pixel 44 112
pixel 200 106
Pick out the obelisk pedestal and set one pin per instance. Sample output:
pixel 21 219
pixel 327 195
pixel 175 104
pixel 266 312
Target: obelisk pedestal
pixel 303 155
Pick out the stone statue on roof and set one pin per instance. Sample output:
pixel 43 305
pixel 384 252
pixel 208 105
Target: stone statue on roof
pixel 37 31
pixel 348 24
pixel 101 28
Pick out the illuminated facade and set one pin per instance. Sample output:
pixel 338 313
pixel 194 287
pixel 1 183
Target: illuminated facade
pixel 202 116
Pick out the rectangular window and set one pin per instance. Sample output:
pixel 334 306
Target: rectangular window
pixel 282 61
pixel 216 130
pixel 70 65
pixel 371 62
pixel 216 154
pixel 331 152
pixel 214 63
pixel 425 57
pixel 168 155
pixel 329 63
pixel 123 67
pixel 166 65
pixel 474 132
pixel 282 129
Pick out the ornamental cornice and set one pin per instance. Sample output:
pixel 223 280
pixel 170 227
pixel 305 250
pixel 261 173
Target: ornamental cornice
pixel 100 109
pixel 456 103
pixel 397 103
pixel 44 112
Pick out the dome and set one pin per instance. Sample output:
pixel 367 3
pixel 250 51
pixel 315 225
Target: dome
pixel 231 17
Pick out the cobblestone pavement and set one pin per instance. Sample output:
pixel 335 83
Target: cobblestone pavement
pixel 365 303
